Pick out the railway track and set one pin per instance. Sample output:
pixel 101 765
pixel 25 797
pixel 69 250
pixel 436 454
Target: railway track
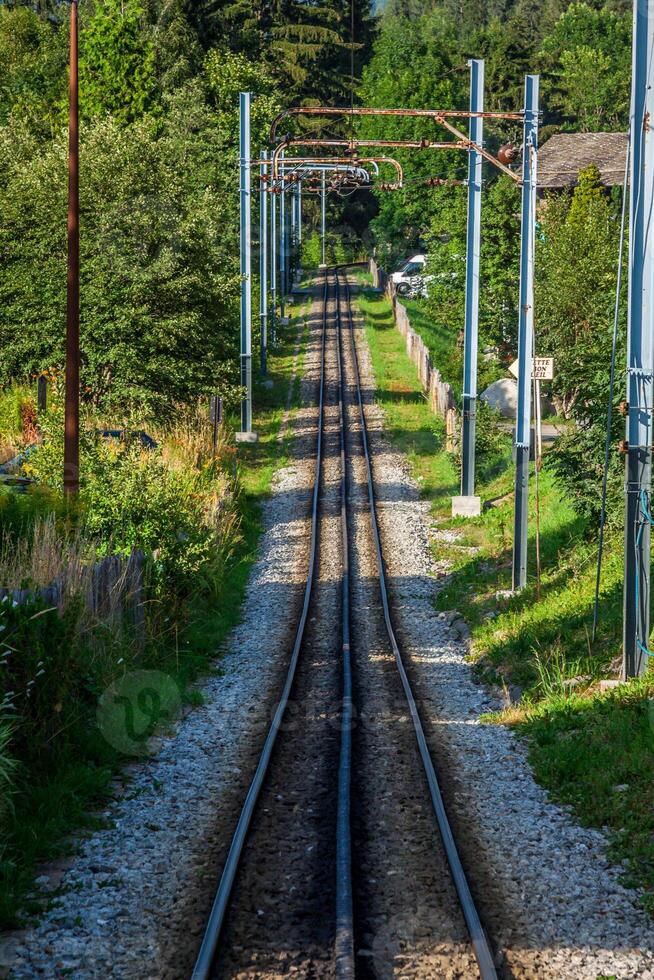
pixel 343 862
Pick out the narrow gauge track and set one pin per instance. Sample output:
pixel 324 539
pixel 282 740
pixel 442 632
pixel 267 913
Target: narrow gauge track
pixel 286 897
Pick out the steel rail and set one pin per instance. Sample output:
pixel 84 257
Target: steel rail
pixel 344 945
pixel 371 111
pixel 478 938
pixel 208 949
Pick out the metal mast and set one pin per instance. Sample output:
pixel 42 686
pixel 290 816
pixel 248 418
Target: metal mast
pixel 273 263
pixel 473 251
pixel 525 330
pixel 282 245
pixel 263 262
pixel 246 264
pixel 640 351
pixel 323 215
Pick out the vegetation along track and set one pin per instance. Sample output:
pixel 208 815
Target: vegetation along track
pixel 343 862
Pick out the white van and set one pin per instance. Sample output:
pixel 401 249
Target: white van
pixel 405 277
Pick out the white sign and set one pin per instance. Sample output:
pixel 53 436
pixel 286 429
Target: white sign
pixel 542 368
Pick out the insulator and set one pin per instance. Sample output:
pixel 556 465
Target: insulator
pixel 508 153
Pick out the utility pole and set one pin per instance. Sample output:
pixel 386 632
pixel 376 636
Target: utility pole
pixel 323 216
pixel 282 241
pixel 640 352
pixel 273 262
pixel 263 261
pixel 71 412
pixel 525 330
pixel 293 249
pixel 299 213
pixel 468 504
pixel 245 195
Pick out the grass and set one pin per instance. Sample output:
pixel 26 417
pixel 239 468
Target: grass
pixel 49 808
pixel 441 341
pixel 591 749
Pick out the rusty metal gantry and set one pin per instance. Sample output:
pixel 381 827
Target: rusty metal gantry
pixel 441 117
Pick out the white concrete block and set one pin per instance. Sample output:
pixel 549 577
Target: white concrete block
pixel 247 437
pixel 466 506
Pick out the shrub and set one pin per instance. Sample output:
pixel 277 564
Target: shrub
pixel 491 441
pixel 15 403
pixel 172 504
pixel 7 771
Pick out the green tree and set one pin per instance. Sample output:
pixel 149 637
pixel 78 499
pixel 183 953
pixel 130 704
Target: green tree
pixel 587 64
pixel 306 46
pixel 500 243
pixel 414 65
pixel 575 297
pixel 117 61
pixel 33 59
pixel 159 250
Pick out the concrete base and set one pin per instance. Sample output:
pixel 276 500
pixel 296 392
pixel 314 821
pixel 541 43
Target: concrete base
pixel 268 384
pixel 323 265
pixel 284 320
pixel 466 506
pixel 246 437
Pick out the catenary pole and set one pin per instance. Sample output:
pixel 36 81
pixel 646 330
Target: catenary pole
pixel 263 262
pixel 473 247
pixel 293 195
pixel 299 213
pixel 273 266
pixel 246 263
pixel 323 216
pixel 71 410
pixel 525 330
pixel 640 350
pixel 282 244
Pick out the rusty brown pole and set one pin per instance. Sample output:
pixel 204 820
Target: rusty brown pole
pixel 71 423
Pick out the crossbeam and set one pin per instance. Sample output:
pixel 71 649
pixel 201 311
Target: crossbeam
pixel 436 114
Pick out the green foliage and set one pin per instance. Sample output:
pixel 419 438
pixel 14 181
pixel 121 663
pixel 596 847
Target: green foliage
pixel 305 46
pixel 117 67
pixel 446 242
pixel 132 498
pixel 158 259
pixel 414 65
pixel 7 771
pixel 12 399
pixel 41 669
pixel 311 251
pixel 338 250
pixel 575 301
pixel 33 57
pixel 587 59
